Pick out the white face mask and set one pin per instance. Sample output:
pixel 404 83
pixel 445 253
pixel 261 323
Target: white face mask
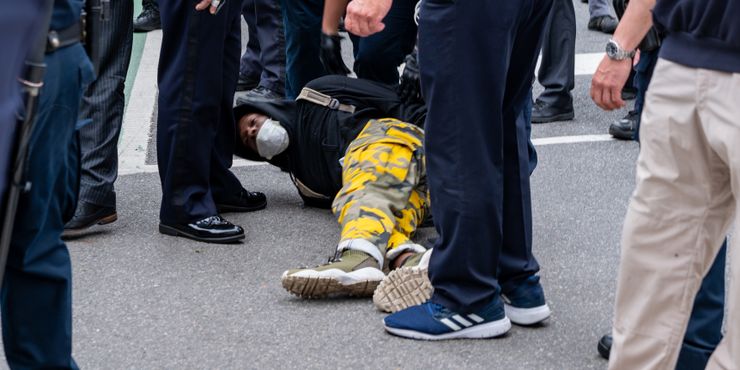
pixel 272 139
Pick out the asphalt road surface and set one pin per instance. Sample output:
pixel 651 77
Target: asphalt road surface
pixel 143 300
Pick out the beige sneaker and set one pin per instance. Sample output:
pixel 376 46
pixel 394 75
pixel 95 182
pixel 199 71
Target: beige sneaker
pixel 405 286
pixel 353 273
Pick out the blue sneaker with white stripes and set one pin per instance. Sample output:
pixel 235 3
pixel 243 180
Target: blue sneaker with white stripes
pixel 525 304
pixel 432 321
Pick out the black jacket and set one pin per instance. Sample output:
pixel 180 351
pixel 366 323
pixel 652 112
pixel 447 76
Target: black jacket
pixel 319 136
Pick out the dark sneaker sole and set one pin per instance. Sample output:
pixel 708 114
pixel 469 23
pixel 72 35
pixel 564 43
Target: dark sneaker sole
pixel 558 117
pixel 402 288
pixel 169 230
pixel 146 29
pixel 621 134
pixel 324 287
pixel 71 233
pixel 224 208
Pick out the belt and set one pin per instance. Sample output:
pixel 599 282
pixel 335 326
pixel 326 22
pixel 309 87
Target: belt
pixel 313 96
pixel 58 39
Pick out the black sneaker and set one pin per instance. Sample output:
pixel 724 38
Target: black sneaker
pixel 624 129
pixel 213 229
pixel 149 19
pixel 261 93
pixel 605 346
pixel 544 113
pixel 605 24
pixel 86 217
pixel 244 83
pixel 245 201
pixel 629 93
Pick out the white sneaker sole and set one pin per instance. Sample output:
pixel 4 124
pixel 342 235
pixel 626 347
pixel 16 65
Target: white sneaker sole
pixel 488 330
pixel 404 287
pixel 333 282
pixel 527 316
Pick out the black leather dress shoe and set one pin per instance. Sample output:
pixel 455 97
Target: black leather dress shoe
pixel 624 129
pixel 544 113
pixel 605 24
pixel 245 201
pixel 213 229
pixel 148 20
pixel 605 346
pixel 88 215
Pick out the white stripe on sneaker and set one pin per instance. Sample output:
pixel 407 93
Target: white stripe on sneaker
pixel 450 324
pixel 475 318
pixel 459 319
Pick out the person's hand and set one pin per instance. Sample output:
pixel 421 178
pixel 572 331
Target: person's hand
pixel 330 54
pixel 212 5
pixel 607 83
pixel 365 17
pixel 410 88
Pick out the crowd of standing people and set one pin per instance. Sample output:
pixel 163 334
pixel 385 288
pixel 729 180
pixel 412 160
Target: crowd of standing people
pixel 444 142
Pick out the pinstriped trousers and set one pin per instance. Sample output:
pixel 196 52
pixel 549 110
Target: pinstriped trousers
pixel 103 103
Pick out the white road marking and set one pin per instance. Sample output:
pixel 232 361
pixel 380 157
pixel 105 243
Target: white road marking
pixel 133 146
pixel 137 119
pixel 571 139
pixel 586 63
pixel 152 168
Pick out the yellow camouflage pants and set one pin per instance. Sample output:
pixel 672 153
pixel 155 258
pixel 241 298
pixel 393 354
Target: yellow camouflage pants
pixel 384 194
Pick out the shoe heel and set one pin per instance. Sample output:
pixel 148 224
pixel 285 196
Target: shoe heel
pixel 528 316
pixel 108 219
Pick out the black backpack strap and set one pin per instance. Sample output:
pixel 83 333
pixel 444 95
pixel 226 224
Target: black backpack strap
pixel 313 96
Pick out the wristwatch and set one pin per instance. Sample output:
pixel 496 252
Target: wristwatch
pixel 615 52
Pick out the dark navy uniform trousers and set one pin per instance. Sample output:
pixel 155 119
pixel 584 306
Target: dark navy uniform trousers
pixel 264 59
pixel 37 289
pixel 198 70
pixel 477 59
pixel 377 57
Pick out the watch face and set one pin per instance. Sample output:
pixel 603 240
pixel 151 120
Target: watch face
pixel 612 50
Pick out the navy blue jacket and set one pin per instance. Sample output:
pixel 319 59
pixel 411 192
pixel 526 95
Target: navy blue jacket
pixel 700 33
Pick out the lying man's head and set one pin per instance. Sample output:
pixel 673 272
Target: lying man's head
pixel 262 135
pixel 249 126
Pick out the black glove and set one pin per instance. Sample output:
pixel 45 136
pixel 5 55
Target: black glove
pixel 410 89
pixel 331 54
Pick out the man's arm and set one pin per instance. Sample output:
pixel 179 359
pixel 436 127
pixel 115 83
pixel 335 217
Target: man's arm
pixel 611 75
pixel 333 10
pixel 213 6
pixel 365 17
pixel 331 43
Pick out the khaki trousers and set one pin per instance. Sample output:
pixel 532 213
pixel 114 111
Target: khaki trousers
pixel 688 183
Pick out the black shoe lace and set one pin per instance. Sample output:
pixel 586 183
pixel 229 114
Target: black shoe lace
pixel 539 104
pixel 261 90
pixel 214 220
